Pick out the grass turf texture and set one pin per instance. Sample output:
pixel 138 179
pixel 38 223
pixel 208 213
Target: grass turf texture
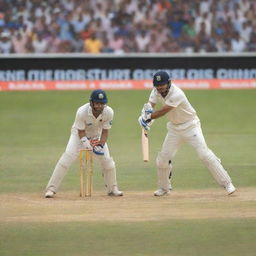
pixel 172 238
pixel 35 129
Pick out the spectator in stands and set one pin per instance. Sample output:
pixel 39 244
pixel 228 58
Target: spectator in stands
pixel 131 6
pixel 65 46
pixel 54 43
pixel 29 46
pixel 93 44
pixel 237 43
pixel 5 43
pixel 176 25
pixel 66 28
pixel 238 19
pixel 142 40
pixel 2 23
pixel 39 44
pixel 19 43
pixel 130 45
pixel 105 44
pixel 155 45
pixel 161 31
pixel 186 43
pixel 98 26
pixel 86 32
pixel 171 46
pixel 204 19
pixel 77 44
pixel 220 43
pixel 225 13
pixel 246 31
pixel 189 28
pixel 202 40
pixel 251 45
pixel 140 13
pixel 204 6
pixel 9 23
pixel 80 22
pixel 62 23
pixel 117 43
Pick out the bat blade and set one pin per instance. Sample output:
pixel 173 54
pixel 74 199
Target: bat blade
pixel 145 145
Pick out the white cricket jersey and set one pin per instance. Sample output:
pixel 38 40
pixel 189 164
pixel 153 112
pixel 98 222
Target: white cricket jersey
pixel 183 114
pixel 85 120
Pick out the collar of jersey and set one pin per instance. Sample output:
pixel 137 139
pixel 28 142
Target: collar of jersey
pixel 170 91
pixel 91 114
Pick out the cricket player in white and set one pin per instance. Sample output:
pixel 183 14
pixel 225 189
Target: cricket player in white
pixel 183 126
pixel 89 131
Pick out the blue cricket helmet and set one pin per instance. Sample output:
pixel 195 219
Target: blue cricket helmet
pixel 99 96
pixel 161 78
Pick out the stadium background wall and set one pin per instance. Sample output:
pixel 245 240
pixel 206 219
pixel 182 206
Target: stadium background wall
pixel 81 72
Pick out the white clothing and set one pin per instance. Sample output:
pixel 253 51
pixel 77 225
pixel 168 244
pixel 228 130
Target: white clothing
pixel 5 47
pixel 198 23
pixel 85 120
pixel 40 46
pixel 204 6
pixel 238 45
pixel 183 113
pixel 142 41
pixel 183 127
pixel 246 33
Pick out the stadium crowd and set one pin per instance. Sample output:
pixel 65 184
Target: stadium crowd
pixel 127 26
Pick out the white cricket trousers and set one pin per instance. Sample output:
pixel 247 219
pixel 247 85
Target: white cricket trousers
pixel 192 135
pixel 71 154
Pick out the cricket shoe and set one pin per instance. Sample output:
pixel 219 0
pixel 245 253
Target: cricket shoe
pixel 115 192
pixel 230 188
pixel 49 194
pixel 161 192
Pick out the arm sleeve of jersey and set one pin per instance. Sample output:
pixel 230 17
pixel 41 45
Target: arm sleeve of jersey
pixel 79 123
pixel 109 119
pixel 153 97
pixel 175 100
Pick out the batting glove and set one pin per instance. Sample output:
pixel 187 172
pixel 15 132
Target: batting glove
pixel 143 123
pixel 147 111
pixel 86 143
pixel 98 149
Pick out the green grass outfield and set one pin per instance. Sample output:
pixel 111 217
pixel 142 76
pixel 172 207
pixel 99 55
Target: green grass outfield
pixel 34 130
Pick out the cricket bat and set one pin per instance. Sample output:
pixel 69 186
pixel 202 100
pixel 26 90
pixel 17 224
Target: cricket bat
pixel 144 144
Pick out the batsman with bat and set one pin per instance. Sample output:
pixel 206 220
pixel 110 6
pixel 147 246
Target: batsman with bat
pixel 183 127
pixel 89 131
